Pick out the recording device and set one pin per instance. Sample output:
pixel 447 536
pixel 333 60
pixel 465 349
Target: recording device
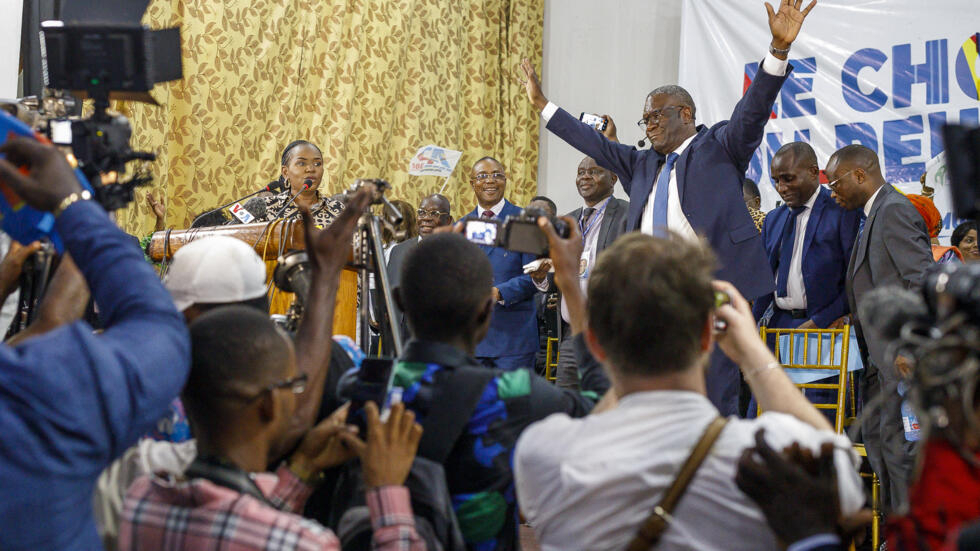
pixel 519 233
pixel 253 209
pixel 217 217
pixel 595 121
pixel 293 274
pixel 721 298
pixel 963 165
pixel 371 385
pixel 937 328
pixel 105 58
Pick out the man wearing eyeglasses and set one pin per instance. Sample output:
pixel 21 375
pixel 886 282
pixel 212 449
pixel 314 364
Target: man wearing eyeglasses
pixel 512 340
pixel 892 248
pixel 690 182
pixel 434 212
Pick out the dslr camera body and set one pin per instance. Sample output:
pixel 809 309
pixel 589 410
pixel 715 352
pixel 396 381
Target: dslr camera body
pixel 518 233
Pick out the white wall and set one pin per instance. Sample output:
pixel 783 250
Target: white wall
pixel 12 11
pixel 604 57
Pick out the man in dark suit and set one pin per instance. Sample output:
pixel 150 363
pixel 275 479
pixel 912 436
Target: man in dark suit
pixel 691 181
pixel 512 339
pixel 601 220
pixel 434 211
pixel 892 248
pixel 808 240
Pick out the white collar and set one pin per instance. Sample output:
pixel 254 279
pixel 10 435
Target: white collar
pixel 598 206
pixel 813 199
pixel 871 201
pixel 680 149
pixel 496 209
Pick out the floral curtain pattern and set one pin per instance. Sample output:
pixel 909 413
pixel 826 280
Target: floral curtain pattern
pixel 369 81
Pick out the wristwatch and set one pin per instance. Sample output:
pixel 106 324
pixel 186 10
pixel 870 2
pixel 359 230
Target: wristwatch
pixel 83 195
pixel 776 51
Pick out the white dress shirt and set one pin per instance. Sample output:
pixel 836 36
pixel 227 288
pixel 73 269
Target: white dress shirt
pixel 871 202
pixel 589 483
pixel 676 219
pixel 795 298
pixel 496 209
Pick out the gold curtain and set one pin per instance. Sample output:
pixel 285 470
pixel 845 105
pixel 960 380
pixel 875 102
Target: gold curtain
pixel 369 81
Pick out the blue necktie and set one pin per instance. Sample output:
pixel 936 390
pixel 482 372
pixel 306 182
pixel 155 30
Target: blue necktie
pixel 662 192
pixel 861 228
pixel 786 250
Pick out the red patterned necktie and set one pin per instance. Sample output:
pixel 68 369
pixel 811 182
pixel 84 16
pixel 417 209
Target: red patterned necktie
pixel 487 214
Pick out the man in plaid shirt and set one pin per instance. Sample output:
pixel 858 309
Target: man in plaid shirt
pixel 240 397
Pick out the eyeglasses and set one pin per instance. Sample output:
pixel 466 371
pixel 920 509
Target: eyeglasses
pixel 431 213
pixel 592 172
pixel 833 185
pixel 297 385
pixel 655 116
pixel 483 176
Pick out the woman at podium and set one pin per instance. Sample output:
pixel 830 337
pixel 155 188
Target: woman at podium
pixel 302 161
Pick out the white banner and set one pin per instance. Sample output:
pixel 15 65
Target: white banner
pixel 433 160
pixel 885 75
pixel 10 46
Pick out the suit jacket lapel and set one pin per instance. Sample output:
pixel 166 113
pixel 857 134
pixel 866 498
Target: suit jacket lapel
pixel 778 228
pixel 862 245
pixel 813 222
pixel 607 219
pixel 681 164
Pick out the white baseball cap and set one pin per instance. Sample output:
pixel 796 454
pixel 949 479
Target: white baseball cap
pixel 215 269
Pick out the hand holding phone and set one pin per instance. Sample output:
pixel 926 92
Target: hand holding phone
pixel 372 384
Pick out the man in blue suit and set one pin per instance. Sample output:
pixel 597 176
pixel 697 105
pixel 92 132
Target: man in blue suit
pixel 690 182
pixel 512 339
pixel 809 240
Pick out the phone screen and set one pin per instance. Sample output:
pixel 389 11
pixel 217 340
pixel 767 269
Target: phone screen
pixel 373 382
pixel 481 232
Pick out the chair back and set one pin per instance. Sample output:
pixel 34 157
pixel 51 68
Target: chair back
pixel 811 351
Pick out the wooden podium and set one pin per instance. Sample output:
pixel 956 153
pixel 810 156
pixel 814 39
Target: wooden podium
pixel 281 235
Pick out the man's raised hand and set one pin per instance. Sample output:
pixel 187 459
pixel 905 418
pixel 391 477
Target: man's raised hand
pixel 785 24
pixel 532 85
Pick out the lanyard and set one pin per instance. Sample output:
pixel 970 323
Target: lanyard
pixel 594 217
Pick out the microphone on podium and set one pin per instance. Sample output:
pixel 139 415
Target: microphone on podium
pixel 208 218
pixel 306 185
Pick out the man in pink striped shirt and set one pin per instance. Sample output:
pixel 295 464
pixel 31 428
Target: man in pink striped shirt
pixel 240 398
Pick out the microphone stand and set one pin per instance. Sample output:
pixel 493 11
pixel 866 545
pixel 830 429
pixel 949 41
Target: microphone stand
pixel 306 185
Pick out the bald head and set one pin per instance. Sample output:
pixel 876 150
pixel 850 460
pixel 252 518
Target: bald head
pixel 855 175
pixel 434 211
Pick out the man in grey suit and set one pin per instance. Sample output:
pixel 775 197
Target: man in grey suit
pixel 602 219
pixel 892 248
pixel 434 211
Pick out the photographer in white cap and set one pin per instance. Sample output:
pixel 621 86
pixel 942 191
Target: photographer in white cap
pixel 221 271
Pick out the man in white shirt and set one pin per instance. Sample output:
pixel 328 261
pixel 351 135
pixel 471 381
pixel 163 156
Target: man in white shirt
pixel 690 181
pixel 590 483
pixel 808 240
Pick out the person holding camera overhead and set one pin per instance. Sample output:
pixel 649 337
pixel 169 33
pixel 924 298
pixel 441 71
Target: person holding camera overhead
pixel 690 181
pixel 302 161
pixel 512 339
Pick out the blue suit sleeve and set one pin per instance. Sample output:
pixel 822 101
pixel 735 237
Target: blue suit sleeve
pixel 608 154
pixel 108 388
pixel 518 288
pixel 762 303
pixel 744 131
pixel 849 225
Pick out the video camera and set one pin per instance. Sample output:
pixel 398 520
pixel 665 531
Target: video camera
pixel 938 328
pixel 519 233
pixel 118 59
